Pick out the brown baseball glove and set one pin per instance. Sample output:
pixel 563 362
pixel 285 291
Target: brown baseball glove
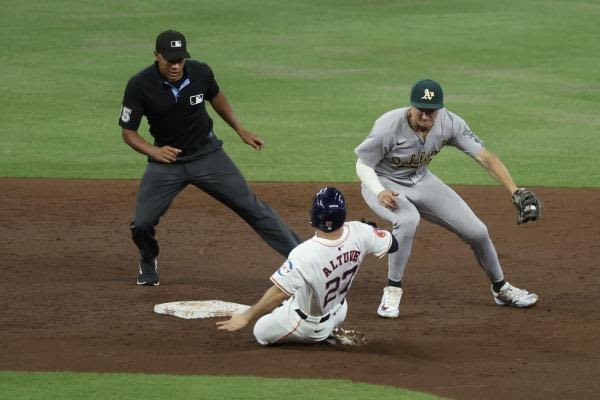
pixel 527 204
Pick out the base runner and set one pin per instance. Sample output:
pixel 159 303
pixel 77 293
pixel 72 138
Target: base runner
pixel 315 279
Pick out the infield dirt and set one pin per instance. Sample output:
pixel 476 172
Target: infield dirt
pixel 70 301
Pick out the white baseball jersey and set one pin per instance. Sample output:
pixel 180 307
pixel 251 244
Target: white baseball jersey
pixel 396 152
pixel 319 272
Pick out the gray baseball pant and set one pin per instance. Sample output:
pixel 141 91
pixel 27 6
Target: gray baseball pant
pixel 436 202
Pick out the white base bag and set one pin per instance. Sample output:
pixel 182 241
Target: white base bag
pixel 199 309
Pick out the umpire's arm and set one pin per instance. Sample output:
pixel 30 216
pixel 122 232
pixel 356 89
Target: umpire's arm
pixel 165 154
pixel 220 104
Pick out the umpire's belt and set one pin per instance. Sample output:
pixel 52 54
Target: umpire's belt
pixel 195 149
pixel 310 318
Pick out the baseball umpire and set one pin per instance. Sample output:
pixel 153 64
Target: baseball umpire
pixel 315 279
pixel 396 184
pixel 172 94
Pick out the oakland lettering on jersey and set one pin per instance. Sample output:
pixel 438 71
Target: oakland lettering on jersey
pixel 343 258
pixel 416 162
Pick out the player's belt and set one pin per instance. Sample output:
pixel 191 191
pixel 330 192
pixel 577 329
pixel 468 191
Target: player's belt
pixel 312 319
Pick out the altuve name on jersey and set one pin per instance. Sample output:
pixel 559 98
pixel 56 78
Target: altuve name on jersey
pixel 341 259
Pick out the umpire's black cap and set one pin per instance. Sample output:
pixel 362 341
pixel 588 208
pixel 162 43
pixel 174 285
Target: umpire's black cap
pixel 427 94
pixel 172 45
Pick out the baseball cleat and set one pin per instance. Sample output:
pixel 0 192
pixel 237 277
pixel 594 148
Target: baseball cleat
pixel 390 302
pixel 148 273
pixel 513 296
pixel 340 336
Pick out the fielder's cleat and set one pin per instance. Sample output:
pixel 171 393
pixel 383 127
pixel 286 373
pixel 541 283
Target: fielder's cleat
pixel 340 336
pixel 513 296
pixel 148 273
pixel 390 302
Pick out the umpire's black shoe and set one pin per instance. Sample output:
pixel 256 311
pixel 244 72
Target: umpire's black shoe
pixel 148 273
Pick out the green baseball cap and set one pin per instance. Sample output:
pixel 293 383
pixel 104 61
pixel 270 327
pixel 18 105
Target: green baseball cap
pixel 427 94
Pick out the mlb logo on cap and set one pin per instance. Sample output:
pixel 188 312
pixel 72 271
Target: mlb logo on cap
pixel 172 45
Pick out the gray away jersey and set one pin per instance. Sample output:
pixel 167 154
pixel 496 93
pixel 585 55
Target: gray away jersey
pixel 396 152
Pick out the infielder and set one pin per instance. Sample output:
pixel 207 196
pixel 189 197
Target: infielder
pixel 315 279
pixel 172 94
pixel 396 184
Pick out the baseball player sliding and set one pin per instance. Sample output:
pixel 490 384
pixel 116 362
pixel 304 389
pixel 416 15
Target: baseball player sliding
pixel 315 279
pixel 396 184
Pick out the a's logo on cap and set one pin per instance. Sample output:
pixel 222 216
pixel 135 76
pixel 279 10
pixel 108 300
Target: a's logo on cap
pixel 175 43
pixel 428 95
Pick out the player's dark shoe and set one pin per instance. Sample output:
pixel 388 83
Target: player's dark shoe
pixel 148 273
pixel 340 336
pixel 513 296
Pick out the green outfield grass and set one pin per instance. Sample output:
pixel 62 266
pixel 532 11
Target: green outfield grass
pixel 310 77
pixel 88 386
